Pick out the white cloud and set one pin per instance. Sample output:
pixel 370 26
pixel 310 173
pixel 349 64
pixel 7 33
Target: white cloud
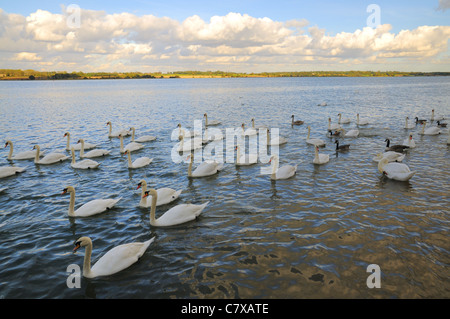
pixel 27 56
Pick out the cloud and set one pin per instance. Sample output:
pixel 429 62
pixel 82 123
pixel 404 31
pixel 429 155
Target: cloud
pixel 235 42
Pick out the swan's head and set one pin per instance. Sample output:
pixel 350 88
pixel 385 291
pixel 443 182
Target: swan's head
pixel 150 192
pixel 180 137
pixel 126 152
pixel 273 157
pixel 7 143
pixel 142 182
pixel 410 136
pixel 82 242
pixel 204 115
pixel 80 141
pixel 36 147
pixel 292 115
pixel 68 189
pixel 66 134
pixel 381 165
pixel 108 123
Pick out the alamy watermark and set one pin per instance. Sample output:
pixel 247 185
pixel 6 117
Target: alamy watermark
pixel 73 16
pixel 374 19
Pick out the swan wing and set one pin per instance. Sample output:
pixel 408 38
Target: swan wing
pixel 141 162
pixel 180 214
pixel 133 146
pixel 205 169
pixel 53 158
pixel 10 170
pixel 315 141
pixel 96 153
pixel 26 155
pixel 145 138
pixel 398 171
pixel 86 164
pixel 95 206
pixel 286 171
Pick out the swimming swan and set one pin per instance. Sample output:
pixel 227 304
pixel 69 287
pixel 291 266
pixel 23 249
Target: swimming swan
pixel 314 141
pixel 343 121
pixel 320 158
pixel 245 159
pixel 210 123
pixel 90 208
pixel 131 147
pixel 283 172
pixel 94 153
pixel 361 122
pixel 409 126
pixel 396 171
pixel 83 164
pixel 142 139
pixel 138 162
pixel 118 133
pixel 115 260
pixel 6 171
pixel 279 140
pixel 22 155
pixel 390 155
pixel 206 168
pixel 430 131
pixel 409 142
pixel 333 127
pixel 51 158
pixel 351 133
pixel 165 195
pixel 176 215
pixel 77 146
pixel 189 145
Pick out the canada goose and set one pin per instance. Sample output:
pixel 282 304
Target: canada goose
pixel 419 121
pixel 395 148
pixel 345 147
pixel 441 124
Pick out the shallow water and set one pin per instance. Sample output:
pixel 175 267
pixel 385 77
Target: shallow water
pixel 311 236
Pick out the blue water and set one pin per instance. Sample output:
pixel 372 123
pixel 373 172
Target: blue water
pixel 311 236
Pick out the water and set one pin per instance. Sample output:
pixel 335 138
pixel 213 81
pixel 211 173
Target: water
pixel 311 236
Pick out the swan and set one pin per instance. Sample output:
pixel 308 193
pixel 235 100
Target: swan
pixel 314 141
pixel 396 171
pixel 409 142
pixel 345 147
pixel 320 158
pixel 408 126
pixel 77 147
pixel 430 131
pixel 118 133
pixel 206 168
pixel 84 164
pixel 115 260
pixel 343 121
pixel 333 127
pixel 189 145
pixel 298 122
pixel 90 208
pixel 49 158
pixel 210 123
pixel 395 148
pixel 212 137
pixel 93 153
pixel 142 139
pixel 361 122
pixel 322 104
pixel 419 121
pixel 6 171
pixel 279 140
pixel 138 162
pixel 176 215
pixel 257 127
pixel 390 155
pixel 351 133
pixel 131 147
pixel 185 133
pixel 245 159
pixel 22 155
pixel 249 132
pixel 438 117
pixel 283 172
pixel 165 195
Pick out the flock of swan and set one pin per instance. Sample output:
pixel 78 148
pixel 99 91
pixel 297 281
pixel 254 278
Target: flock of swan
pixel 122 256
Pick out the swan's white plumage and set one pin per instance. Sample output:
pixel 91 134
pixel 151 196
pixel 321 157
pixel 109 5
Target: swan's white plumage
pixel 83 164
pixel 409 142
pixel 390 155
pixel 93 153
pixel 165 195
pixel 51 158
pixel 396 171
pixel 117 133
pixel 283 172
pixel 245 159
pixel 361 122
pixel 143 138
pixel 22 155
pixel 90 208
pixel 77 146
pixel 314 141
pixel 131 147
pixel 7 171
pixel 430 131
pixel 138 162
pixel 320 158
pixel 206 168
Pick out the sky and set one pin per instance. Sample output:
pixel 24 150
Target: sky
pixel 235 36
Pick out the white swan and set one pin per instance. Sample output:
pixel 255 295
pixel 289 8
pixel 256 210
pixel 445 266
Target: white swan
pixel 320 158
pixel 314 141
pixel 185 133
pixel 142 139
pixel 279 140
pixel 131 147
pixel 51 158
pixel 396 171
pixel 351 133
pixel 409 142
pixel 409 126
pixel 390 155
pixel 90 208
pixel 206 168
pixel 210 123
pixel 430 131
pixel 115 260
pixel 165 195
pixel 6 171
pixel 259 126
pixel 283 172
pixel 245 159
pixel 84 164
pixel 117 133
pixel 248 132
pixel 77 146
pixel 361 122
pixel 94 153
pixel 188 145
pixel 438 117
pixel 22 155
pixel 176 215
pixel 138 162
pixel 333 127
pixel 215 136
pixel 343 121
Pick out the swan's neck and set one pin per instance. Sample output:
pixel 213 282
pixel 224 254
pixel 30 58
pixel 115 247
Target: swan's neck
pixel 253 123
pixel 238 154
pixel 10 150
pixel 274 166
pixel 206 120
pixel 381 165
pixel 329 123
pixel 339 118
pixel 132 137
pixel 129 160
pixel 110 129
pixel 121 143
pixel 357 118
pixel 268 138
pixel 153 209
pixel 68 142
pixel 73 156
pixel 190 166
pixel 423 128
pixel 144 189
pixel 82 148
pixel 36 158
pixel 316 156
pixel 72 203
pixel 406 123
pixel 292 120
pixel 87 260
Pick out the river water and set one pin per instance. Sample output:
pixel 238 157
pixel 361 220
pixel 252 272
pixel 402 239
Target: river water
pixel 310 236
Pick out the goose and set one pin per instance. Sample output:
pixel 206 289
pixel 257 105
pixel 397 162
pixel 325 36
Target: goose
pixel 189 145
pixel 430 131
pixel 390 155
pixel 409 142
pixel 51 158
pixel 245 159
pixel 320 158
pixel 206 168
pixel 131 147
pixel 351 133
pixel 115 260
pixel 142 139
pixel 396 171
pixel 93 153
pixel 7 171
pixel 210 123
pixel 343 121
pixel 279 140
pixel 438 117
pixel 361 122
pixel 409 126
pixel 336 133
pixel 298 122
pixel 395 148
pixel 77 147
pixel 249 132
pixel 165 195
pixel 138 162
pixel 440 124
pixel 118 133
pixel 333 127
pixel 84 164
pixel 314 141
pixel 283 172
pixel 177 215
pixel 345 147
pixel 22 155
pixel 419 121
pixel 90 208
